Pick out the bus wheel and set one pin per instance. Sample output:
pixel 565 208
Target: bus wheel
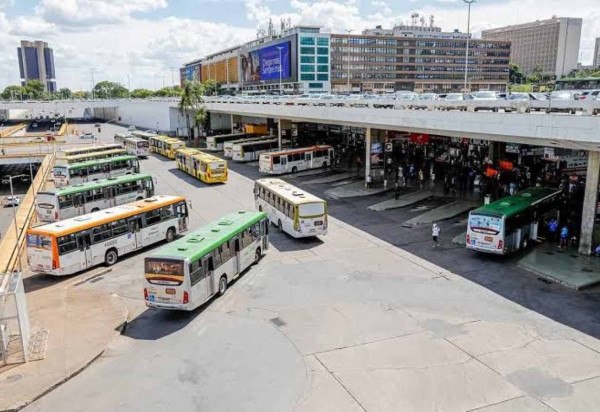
pixel 95 210
pixel 139 198
pixel 260 208
pixel 170 235
pixel 222 285
pixel 294 169
pixel 111 257
pixel 257 255
pixel 279 225
pixel 324 164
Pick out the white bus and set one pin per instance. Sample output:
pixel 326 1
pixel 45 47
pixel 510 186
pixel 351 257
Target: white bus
pixel 61 154
pixel 119 138
pixel 295 160
pixel 247 152
pixel 137 147
pixel 228 146
pixel 291 209
pixel 185 274
pixel 215 143
pixel 71 201
pixel 142 135
pixel 79 243
pixel 65 175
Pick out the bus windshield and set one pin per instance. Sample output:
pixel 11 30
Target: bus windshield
pixel 164 271
pixel 485 224
pixel 311 209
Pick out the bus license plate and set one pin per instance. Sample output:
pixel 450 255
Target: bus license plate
pixel 170 291
pixel 488 239
pixel 318 223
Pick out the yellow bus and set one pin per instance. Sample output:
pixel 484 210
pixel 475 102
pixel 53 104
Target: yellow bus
pixel 72 245
pixel 203 166
pixel 165 145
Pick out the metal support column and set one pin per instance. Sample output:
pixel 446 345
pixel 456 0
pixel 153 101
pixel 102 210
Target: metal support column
pixel 588 214
pixel 232 122
pixel 279 134
pixel 367 156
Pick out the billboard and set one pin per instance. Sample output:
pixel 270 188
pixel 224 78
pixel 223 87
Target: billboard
pixel 192 72
pixel 265 65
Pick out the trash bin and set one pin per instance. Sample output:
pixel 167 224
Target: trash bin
pixel 487 199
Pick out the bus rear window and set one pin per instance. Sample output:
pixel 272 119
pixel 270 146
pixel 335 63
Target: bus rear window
pixel 164 271
pixel 485 224
pixel 311 209
pixel 39 241
pixel 217 167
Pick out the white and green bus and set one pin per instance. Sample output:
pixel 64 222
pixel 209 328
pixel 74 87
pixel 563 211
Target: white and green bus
pixel 509 224
pixel 292 210
pixel 186 273
pixel 228 146
pixel 71 174
pixel 77 200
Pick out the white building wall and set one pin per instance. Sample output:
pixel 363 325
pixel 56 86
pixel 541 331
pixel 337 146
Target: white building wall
pixel 149 115
pixel 569 37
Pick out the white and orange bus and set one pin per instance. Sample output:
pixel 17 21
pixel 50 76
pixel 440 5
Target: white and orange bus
pixel 295 160
pixel 72 245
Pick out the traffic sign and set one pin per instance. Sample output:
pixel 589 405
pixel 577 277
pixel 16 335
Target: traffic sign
pixel 389 147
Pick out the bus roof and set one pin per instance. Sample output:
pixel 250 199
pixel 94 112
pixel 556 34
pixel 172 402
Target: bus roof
pixel 83 222
pixel 187 151
pixel 258 142
pixel 159 137
pixel 98 161
pixel 512 205
pixel 249 139
pixel 298 150
pixel 290 193
pixel 207 157
pixel 123 134
pixel 98 184
pixel 198 243
pixel 66 152
pixel 98 153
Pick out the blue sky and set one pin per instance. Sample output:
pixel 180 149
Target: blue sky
pixel 140 41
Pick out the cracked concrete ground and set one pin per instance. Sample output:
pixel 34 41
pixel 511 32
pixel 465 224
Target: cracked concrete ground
pixel 345 323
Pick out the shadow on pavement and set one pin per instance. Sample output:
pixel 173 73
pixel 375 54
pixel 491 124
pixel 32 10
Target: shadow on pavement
pixel 40 281
pixel 154 324
pixel 285 243
pixel 180 174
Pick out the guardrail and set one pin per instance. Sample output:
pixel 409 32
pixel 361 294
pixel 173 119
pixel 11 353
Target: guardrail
pixel 9 260
pixel 573 107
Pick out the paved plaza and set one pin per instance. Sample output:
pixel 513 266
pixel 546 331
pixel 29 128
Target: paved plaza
pixel 352 321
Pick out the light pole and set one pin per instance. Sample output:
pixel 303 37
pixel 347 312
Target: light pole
pixel 12 195
pixel 348 62
pixel 469 2
pixel 280 69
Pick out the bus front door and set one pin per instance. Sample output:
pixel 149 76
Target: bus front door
pixel 85 257
pixel 283 163
pixel 309 158
pixel 79 205
pixel 135 235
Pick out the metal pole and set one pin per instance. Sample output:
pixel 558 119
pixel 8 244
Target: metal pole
pixel 348 62
pixel 12 194
pixel 280 70
pixel 469 2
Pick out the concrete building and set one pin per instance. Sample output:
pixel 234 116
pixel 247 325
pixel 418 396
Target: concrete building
pixel 36 62
pixel 550 46
pixel 419 58
pixel 596 62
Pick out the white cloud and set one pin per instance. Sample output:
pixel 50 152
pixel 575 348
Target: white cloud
pixel 79 13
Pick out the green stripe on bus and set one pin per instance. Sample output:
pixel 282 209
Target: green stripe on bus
pixel 99 184
pixel 515 204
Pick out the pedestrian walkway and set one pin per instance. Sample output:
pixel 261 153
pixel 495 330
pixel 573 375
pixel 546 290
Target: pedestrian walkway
pixel 443 212
pixel 566 267
pixel 356 189
pixel 402 201
pixel 80 324
pixel 332 178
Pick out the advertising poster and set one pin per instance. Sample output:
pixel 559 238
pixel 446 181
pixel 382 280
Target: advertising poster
pixel 265 64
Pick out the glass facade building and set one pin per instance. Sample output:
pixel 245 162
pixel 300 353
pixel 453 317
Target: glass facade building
pixel 36 62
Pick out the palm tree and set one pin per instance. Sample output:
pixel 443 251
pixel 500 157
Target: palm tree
pixel 186 104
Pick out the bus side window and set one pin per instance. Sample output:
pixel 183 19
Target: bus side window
pixel 255 231
pixel 237 244
pixel 197 272
pixel 265 227
pixel 78 200
pixel 182 210
pixel 134 225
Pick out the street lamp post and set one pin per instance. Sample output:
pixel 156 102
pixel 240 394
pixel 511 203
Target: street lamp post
pixel 280 70
pixel 469 2
pixel 348 62
pixel 12 195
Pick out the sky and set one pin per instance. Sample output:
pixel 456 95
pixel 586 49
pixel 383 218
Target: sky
pixel 142 43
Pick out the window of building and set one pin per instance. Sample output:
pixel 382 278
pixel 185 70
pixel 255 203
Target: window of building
pixel 323 50
pixel 323 68
pixel 307 50
pixel 322 41
pixel 308 59
pixel 307 68
pixel 307 76
pixel 307 41
pixel 315 85
pixel 323 77
pixel 322 59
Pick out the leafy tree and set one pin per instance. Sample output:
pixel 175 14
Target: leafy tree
pixel 110 90
pixel 211 87
pixel 81 94
pixel 34 89
pixel 65 93
pixel 142 93
pixel 169 92
pixel 13 92
pixel 515 74
pixel 192 101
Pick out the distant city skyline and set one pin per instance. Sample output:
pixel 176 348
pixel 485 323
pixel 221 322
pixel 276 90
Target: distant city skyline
pixel 148 40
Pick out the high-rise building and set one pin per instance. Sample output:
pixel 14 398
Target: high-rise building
pixel 36 62
pixel 596 62
pixel 418 58
pixel 550 47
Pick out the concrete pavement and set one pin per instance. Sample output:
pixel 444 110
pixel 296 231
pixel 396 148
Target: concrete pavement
pixel 346 322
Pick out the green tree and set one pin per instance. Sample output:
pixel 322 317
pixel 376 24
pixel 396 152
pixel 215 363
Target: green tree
pixel 13 92
pixel 34 89
pixel 65 93
pixel 515 74
pixel 169 92
pixel 192 102
pixel 142 93
pixel 211 87
pixel 110 90
pixel 81 94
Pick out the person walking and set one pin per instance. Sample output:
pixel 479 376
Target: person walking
pixel 435 233
pixel 564 237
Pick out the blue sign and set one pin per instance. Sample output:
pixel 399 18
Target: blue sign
pixel 275 62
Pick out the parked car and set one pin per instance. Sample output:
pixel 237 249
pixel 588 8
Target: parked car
pixel 87 135
pixel 454 101
pixel 131 128
pixel 589 95
pixel 560 96
pixel 484 96
pixel 11 201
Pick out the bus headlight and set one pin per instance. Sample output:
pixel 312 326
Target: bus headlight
pixel 296 225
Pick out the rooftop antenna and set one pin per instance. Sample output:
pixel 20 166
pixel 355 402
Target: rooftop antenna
pixel 431 20
pixel 271 29
pixel 413 19
pixel 422 20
